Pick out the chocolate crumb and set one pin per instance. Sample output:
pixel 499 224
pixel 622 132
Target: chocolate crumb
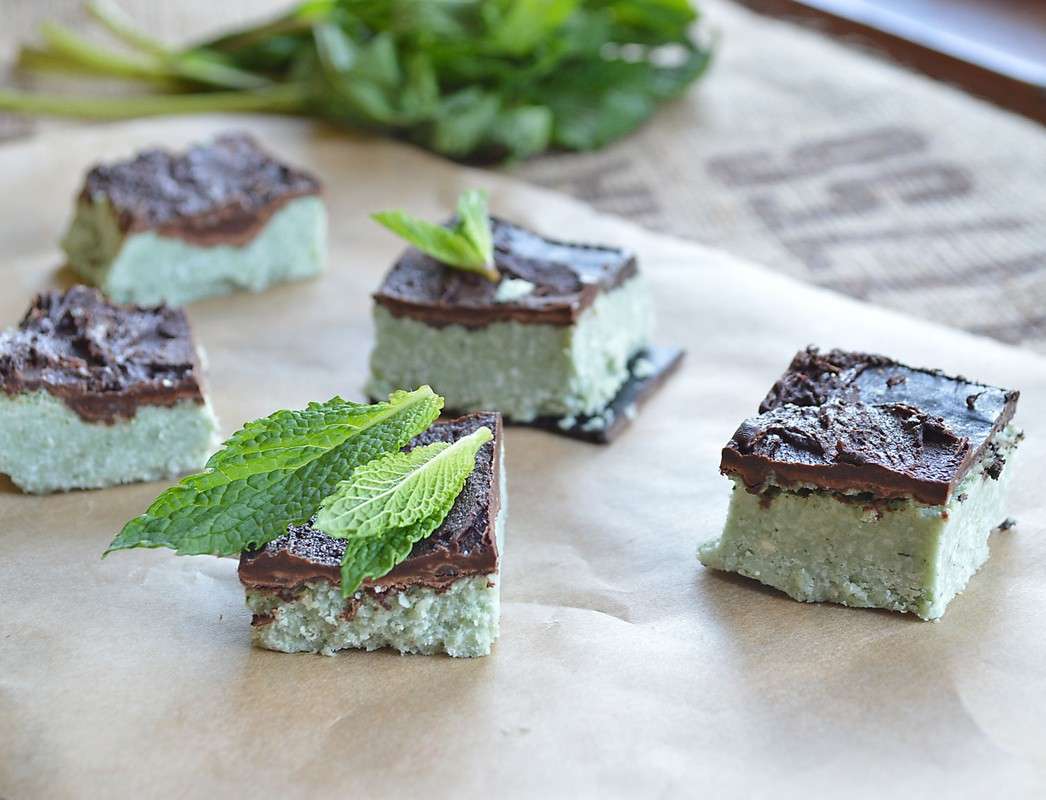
pixel 994 469
pixel 1007 523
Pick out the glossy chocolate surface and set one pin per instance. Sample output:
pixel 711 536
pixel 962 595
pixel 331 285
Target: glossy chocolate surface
pixel 854 422
pixel 102 360
pixel 222 192
pixel 567 279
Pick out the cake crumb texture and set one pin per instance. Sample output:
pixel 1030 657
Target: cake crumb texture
pixel 46 447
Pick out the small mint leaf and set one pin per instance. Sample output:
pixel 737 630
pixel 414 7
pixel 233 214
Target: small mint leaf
pixel 274 472
pixel 375 556
pixel 467 246
pixel 474 224
pixel 394 501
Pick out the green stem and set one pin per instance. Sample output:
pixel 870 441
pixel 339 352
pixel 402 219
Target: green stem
pixel 189 65
pixel 66 43
pixel 285 98
pixel 120 24
pixel 198 67
pixel 36 60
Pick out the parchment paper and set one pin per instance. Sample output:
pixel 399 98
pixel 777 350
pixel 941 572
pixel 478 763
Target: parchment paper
pixel 624 667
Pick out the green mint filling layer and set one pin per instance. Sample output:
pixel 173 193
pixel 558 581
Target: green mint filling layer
pixel 147 268
pixel 275 472
pixel 157 442
pixel 900 555
pixel 461 620
pixel 523 371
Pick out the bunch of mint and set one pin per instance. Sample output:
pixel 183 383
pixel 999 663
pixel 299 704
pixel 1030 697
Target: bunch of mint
pixel 470 79
pixel 342 462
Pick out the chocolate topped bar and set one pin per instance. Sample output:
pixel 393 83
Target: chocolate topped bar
pixel 102 360
pixel 566 279
pixel 853 422
pixel 217 193
pixel 463 545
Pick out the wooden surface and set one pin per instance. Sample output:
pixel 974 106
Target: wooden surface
pixel 995 49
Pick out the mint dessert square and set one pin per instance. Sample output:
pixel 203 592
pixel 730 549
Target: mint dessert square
pixel 356 525
pixel 869 483
pixel 553 334
pixel 95 394
pixel 442 597
pixel 219 217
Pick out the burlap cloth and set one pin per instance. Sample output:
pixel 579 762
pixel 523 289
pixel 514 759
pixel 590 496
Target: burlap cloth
pixel 807 156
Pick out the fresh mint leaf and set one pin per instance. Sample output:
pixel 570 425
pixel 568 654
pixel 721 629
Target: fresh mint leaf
pixel 474 223
pixel 602 101
pixel 525 24
pixel 390 503
pixel 443 244
pixel 468 245
pixel 275 472
pixel 523 131
pixel 337 52
pixel 462 122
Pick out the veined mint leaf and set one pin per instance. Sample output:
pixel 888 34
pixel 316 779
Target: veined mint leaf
pixel 474 223
pixel 275 472
pixel 398 489
pixel 443 244
pixel 375 556
pixel 469 245
pixel 392 502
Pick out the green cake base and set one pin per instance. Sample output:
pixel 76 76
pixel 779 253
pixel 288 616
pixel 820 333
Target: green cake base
pixel 461 621
pixel 524 371
pixel 148 269
pixel 899 555
pixel 46 447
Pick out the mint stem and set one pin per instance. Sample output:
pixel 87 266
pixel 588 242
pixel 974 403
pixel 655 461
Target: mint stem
pixel 191 66
pixel 285 98
pixel 66 43
pixel 206 69
pixel 120 24
pixel 32 59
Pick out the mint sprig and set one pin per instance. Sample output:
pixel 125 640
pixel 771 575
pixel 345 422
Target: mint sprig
pixel 475 81
pixel 469 245
pixel 389 504
pixel 275 472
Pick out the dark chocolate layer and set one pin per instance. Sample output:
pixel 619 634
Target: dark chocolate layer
pixel 853 422
pixel 102 360
pixel 465 543
pixel 567 279
pixel 218 193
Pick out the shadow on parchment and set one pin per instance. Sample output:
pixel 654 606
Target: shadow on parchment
pixel 6 487
pixel 739 602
